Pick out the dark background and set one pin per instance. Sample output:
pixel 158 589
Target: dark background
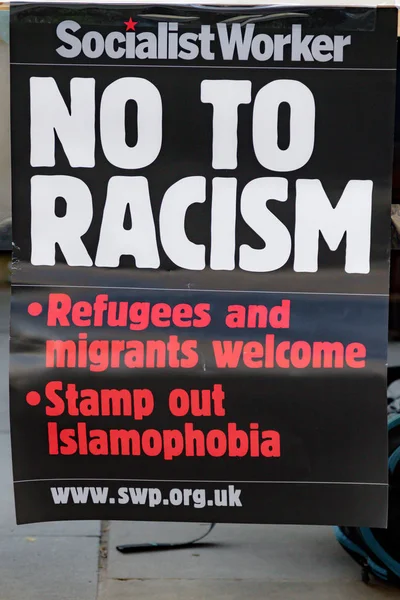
pixel 313 409
pixel 332 423
pixel 354 131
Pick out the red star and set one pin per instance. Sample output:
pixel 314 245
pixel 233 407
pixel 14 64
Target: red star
pixel 130 25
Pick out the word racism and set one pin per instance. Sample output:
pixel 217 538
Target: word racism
pixel 169 43
pixel 76 125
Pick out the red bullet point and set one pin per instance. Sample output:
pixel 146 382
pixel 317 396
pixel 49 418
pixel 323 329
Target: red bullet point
pixel 33 398
pixel 35 309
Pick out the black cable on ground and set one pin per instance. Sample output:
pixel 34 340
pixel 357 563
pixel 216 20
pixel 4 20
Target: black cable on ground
pixel 149 547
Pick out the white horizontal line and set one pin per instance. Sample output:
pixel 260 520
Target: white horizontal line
pixel 189 289
pixel 204 481
pixel 201 66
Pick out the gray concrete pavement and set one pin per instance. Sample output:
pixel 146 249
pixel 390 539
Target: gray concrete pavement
pixel 245 552
pixel 254 562
pixel 235 589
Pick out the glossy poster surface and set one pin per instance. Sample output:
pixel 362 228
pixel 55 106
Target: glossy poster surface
pixel 201 225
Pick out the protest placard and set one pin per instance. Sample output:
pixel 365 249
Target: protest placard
pixel 201 225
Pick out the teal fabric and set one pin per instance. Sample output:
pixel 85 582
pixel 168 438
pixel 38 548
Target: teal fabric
pixel 380 552
pixel 344 540
pixel 5 25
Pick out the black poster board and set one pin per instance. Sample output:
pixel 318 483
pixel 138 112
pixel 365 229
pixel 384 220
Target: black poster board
pixel 201 226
